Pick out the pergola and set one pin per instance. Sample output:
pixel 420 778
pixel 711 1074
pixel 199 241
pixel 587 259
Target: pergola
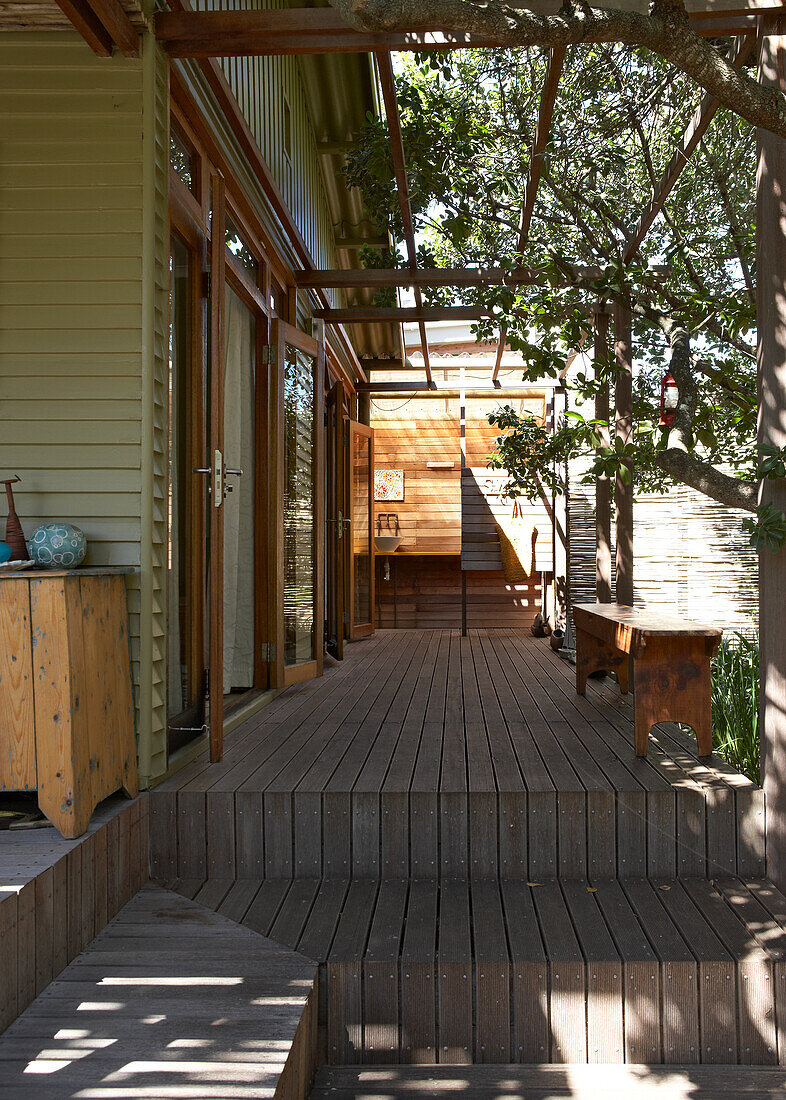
pixel 207 35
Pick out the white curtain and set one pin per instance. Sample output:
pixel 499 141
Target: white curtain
pixel 239 504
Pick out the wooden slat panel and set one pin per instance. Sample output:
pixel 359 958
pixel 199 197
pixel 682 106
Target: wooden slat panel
pixel 381 981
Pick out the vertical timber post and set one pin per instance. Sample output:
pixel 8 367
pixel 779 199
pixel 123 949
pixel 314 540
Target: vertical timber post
pixel 771 323
pixel 463 446
pixel 602 484
pixel 623 427
pixel 561 604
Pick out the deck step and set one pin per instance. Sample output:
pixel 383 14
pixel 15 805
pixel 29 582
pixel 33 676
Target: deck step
pixel 460 971
pixel 428 754
pixel 170 1000
pixel 549 1082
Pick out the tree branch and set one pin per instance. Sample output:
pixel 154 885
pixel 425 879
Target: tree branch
pixel 691 470
pixel 666 32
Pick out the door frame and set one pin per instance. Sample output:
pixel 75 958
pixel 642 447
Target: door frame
pixel 361 630
pixel 283 335
pixel 336 560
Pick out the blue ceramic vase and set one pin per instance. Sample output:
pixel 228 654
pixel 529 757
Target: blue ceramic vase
pixel 5 552
pixel 57 546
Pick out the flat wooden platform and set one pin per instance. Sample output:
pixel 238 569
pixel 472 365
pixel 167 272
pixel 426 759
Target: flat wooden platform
pixel 57 894
pixel 550 1083
pixel 170 1000
pixel 424 753
pixel 634 971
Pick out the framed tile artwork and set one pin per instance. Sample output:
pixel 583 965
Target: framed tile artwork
pixel 388 485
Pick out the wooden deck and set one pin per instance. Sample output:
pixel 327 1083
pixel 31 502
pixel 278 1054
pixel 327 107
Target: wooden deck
pixel 458 971
pixel 170 1000
pixel 426 754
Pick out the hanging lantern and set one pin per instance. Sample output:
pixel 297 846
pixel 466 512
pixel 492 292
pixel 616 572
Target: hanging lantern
pixel 669 396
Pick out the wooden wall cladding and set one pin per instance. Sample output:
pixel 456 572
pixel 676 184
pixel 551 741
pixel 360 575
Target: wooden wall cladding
pixel 56 896
pixel 430 514
pixel 428 596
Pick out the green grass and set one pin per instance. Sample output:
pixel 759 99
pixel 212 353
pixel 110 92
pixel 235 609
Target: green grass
pixel 735 704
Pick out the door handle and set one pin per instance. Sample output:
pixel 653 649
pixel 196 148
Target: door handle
pixel 236 472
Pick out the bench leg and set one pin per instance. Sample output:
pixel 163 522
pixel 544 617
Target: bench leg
pixel 672 684
pixel 594 655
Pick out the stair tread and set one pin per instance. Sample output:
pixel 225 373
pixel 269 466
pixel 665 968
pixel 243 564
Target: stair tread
pixel 629 920
pixel 542 1082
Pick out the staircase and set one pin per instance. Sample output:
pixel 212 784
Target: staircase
pixel 501 971
pixel 485 872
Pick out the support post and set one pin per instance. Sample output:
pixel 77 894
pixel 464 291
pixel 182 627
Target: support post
pixel 561 605
pixel 623 426
pixel 771 322
pixel 602 484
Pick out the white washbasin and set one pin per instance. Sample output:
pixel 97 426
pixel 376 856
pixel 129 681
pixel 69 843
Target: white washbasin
pixel 387 544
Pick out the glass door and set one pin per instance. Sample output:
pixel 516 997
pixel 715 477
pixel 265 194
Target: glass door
pixel 240 450
pixel 297 433
pixel 361 479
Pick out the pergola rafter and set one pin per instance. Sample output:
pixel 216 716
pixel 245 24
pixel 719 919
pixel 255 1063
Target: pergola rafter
pixel 186 33
pixel 388 83
pixel 322 30
pixel 103 24
pixel 432 276
pixel 356 315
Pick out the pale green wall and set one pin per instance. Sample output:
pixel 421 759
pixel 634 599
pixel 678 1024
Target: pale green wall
pixel 83 148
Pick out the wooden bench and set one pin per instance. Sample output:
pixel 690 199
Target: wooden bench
pixel 671 665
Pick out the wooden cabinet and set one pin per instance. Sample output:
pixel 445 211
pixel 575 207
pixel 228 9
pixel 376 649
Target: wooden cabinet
pixel 66 705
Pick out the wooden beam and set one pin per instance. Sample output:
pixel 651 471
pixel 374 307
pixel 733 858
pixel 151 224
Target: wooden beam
pixel 355 315
pixel 85 20
pixel 431 276
pixel 705 112
pixel 393 387
pixel 322 31
pixel 119 27
pixel 547 99
pixel 447 389
pixel 388 83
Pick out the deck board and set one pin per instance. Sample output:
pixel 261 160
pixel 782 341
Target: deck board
pixel 205 1017
pixel 426 753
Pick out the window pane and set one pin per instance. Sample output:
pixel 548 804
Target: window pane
pixel 240 249
pixel 299 573
pixel 181 159
pixel 239 453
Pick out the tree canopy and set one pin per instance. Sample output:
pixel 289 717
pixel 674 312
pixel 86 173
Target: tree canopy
pixel 468 124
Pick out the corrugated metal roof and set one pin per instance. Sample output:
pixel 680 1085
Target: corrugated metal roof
pixel 340 89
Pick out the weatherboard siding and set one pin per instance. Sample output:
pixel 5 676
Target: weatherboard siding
pixel 82 335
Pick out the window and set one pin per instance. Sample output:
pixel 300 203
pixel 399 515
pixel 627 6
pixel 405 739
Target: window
pixel 183 160
pixel 240 250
